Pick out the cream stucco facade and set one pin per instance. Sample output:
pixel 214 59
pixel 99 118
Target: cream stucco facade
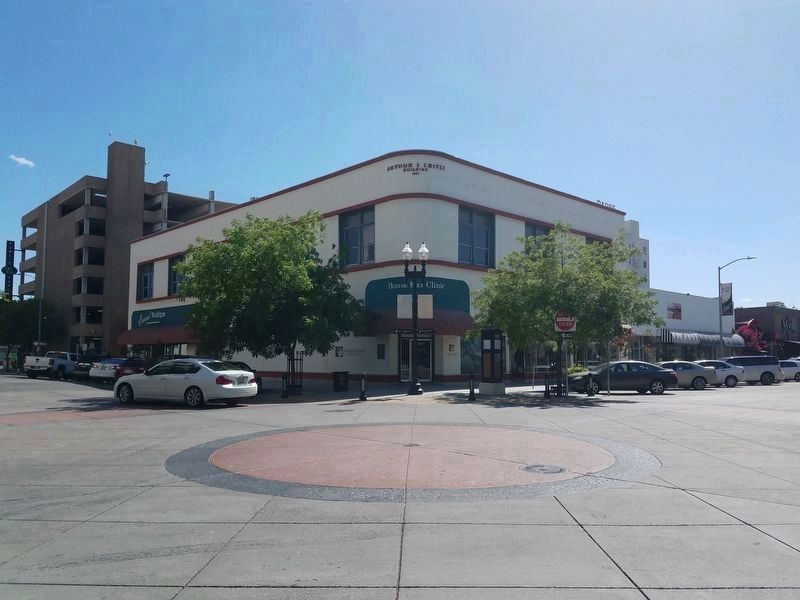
pixel 416 196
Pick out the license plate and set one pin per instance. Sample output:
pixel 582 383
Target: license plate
pixel 241 379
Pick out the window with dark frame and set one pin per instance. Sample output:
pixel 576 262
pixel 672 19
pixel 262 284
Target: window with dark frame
pixel 144 282
pixel 175 277
pixel 475 237
pixel 357 237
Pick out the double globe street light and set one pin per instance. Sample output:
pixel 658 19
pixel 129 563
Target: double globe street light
pixel 719 292
pixel 415 279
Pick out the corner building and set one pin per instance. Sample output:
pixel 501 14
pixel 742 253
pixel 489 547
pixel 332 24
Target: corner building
pixel 468 215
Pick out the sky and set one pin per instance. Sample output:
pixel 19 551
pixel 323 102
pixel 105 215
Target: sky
pixel 683 114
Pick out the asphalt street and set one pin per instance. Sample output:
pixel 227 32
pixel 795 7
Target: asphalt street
pixel 688 495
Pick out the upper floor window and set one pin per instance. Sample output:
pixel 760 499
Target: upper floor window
pixel 96 256
pixel 535 230
pixel 175 277
pixel 144 282
pixel 357 237
pixel 475 237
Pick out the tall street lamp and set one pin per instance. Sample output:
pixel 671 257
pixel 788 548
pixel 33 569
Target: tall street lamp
pixel 415 279
pixel 719 303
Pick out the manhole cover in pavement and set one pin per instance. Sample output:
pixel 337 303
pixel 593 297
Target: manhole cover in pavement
pixel 549 469
pixel 391 462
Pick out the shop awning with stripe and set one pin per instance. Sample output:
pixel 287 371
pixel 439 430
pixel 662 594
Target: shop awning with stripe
pixel 174 334
pixel 690 338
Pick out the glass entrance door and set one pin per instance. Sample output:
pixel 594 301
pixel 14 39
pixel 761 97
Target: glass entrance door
pixel 423 355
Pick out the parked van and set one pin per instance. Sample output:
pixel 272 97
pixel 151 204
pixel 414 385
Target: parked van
pixel 765 369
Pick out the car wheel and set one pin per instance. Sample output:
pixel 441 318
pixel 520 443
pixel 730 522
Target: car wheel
pixel 767 378
pixel 731 381
pixel 797 376
pixel 125 394
pixel 194 397
pixel 657 387
pixel 595 387
pixel 699 383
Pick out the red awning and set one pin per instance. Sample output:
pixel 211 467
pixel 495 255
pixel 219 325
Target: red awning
pixel 445 321
pixel 177 334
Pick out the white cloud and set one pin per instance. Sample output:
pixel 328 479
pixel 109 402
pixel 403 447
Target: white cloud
pixel 22 161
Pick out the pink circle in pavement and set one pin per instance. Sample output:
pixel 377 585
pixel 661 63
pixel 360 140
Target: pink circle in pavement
pixel 413 457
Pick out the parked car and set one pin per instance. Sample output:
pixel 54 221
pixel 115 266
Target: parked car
pixel 131 366
pixel 764 368
pixel 625 375
pixel 195 381
pixel 246 367
pixel 691 375
pixel 84 365
pixel 791 369
pixel 726 372
pixel 104 369
pixel 56 365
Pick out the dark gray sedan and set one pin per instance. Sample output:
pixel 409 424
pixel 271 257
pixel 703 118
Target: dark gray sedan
pixel 628 375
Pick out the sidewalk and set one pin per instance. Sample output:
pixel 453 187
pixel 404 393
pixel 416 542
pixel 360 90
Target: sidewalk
pixel 689 495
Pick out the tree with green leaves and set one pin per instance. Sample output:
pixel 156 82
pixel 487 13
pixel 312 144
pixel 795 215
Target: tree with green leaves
pixel 560 271
pixel 266 290
pixel 19 322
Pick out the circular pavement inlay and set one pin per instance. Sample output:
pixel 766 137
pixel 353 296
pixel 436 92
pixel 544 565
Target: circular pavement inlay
pixel 393 462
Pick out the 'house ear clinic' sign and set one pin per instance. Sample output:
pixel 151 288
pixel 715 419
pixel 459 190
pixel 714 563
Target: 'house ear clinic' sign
pixel 381 294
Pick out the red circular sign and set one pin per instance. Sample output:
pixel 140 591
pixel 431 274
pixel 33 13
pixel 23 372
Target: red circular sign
pixel 565 321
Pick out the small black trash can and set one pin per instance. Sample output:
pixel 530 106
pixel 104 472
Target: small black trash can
pixel 340 379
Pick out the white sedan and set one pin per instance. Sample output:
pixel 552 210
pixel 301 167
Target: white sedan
pixel 791 370
pixel 196 381
pixel 726 372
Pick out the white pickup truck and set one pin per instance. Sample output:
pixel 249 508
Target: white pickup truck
pixel 53 364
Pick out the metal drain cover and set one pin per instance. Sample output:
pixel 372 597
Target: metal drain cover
pixel 547 469
pixel 411 445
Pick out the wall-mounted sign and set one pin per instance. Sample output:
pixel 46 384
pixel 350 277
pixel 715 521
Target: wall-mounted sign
pixel 160 317
pixel 415 168
pixel 381 294
pixel 674 311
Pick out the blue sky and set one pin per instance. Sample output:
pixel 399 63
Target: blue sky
pixel 682 114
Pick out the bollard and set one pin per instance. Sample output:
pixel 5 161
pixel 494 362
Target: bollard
pixel 285 385
pixel 547 384
pixel 471 386
pixel 363 395
pixel 590 386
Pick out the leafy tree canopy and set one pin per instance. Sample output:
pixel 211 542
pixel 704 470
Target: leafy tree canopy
pixel 559 271
pixel 265 289
pixel 19 322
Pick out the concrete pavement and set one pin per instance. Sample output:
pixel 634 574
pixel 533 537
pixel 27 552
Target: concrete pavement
pixel 91 506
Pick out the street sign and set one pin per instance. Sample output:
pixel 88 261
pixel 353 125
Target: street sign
pixel 567 335
pixel 426 331
pixel 9 270
pixel 563 321
pixel 408 331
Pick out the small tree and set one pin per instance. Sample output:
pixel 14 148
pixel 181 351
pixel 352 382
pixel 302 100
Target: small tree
pixel 266 290
pixel 559 271
pixel 19 322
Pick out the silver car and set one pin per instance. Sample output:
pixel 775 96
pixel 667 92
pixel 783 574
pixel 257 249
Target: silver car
pixel 691 375
pixel 726 372
pixel 196 381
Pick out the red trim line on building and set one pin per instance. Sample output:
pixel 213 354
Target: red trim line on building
pixel 379 159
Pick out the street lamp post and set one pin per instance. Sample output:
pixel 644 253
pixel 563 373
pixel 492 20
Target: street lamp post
pixel 719 299
pixel 415 279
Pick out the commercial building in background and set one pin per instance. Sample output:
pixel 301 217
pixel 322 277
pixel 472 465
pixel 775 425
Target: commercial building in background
pixel 76 246
pixel 468 215
pixel 690 330
pixel 779 327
